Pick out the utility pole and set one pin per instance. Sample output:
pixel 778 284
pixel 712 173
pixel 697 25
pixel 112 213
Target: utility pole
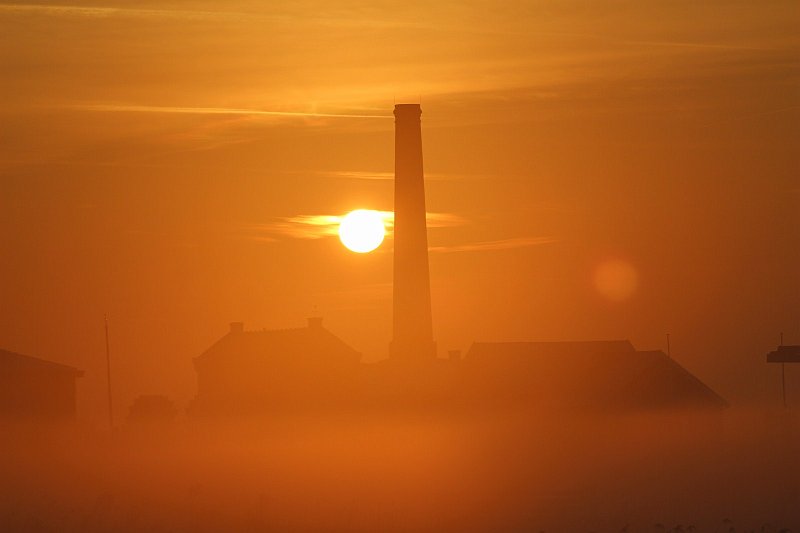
pixel 784 354
pixel 108 375
pixel 783 376
pixel 783 383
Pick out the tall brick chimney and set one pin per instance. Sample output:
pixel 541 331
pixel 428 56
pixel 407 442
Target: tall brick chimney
pixel 413 327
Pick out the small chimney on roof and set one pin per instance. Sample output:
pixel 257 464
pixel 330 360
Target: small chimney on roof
pixel 315 322
pixel 237 327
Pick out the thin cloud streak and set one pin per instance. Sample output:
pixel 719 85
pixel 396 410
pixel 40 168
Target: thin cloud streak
pixel 357 175
pixel 115 108
pixel 503 244
pixel 105 12
pixel 710 46
pixel 383 176
pixel 319 226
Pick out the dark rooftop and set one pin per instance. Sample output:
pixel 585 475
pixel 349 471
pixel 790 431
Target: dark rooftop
pixel 16 361
pixel 784 354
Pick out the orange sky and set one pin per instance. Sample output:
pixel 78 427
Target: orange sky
pixel 595 171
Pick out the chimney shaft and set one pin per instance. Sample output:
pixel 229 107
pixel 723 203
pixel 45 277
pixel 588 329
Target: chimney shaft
pixel 412 323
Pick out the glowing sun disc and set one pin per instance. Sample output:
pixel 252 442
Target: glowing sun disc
pixel 361 230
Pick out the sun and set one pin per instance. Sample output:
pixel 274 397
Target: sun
pixel 362 230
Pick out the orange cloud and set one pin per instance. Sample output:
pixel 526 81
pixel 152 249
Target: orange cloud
pixel 502 244
pixel 115 108
pixel 319 226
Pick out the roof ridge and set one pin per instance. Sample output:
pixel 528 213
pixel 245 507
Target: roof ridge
pixel 265 330
pixel 39 361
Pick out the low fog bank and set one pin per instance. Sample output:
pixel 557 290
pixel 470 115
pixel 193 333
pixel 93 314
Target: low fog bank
pixel 724 472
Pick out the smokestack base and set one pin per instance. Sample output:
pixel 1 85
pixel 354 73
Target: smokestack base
pixel 415 350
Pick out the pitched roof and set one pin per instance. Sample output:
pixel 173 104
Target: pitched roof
pixel 494 350
pixel 16 361
pixel 312 342
pixel 595 371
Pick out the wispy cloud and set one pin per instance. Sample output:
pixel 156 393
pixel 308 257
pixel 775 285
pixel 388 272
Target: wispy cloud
pixel 695 45
pixel 443 220
pixel 105 12
pixel 503 244
pixel 357 174
pixel 296 227
pixel 383 175
pixel 304 226
pixel 319 226
pixel 124 108
pixel 102 12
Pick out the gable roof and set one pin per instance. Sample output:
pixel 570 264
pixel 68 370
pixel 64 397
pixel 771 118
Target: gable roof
pixel 10 361
pixel 310 343
pixel 511 350
pixel 663 380
pixel 590 372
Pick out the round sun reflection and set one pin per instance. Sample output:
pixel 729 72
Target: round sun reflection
pixel 362 230
pixel 615 279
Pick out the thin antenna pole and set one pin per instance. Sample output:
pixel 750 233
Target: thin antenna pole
pixel 669 353
pixel 108 375
pixel 783 382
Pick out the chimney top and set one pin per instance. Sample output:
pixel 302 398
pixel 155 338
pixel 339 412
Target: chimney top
pixel 407 110
pixel 237 327
pixel 315 322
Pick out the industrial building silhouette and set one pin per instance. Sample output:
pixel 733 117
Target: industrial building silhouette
pixel 310 368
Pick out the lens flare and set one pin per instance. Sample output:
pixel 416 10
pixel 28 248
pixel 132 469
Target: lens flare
pixel 616 279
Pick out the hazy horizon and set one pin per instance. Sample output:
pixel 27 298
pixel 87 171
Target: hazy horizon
pixel 173 165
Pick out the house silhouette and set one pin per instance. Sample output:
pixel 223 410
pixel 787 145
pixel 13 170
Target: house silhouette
pixel 36 389
pixel 285 369
pixel 581 374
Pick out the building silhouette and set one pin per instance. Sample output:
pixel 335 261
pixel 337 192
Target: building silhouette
pixel 311 369
pixel 587 375
pixel 285 369
pixel 412 336
pixel 151 409
pixel 784 353
pixel 36 389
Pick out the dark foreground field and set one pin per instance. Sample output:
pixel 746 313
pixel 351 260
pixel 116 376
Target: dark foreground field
pixel 719 473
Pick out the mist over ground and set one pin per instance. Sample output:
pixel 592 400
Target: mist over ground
pixel 721 472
